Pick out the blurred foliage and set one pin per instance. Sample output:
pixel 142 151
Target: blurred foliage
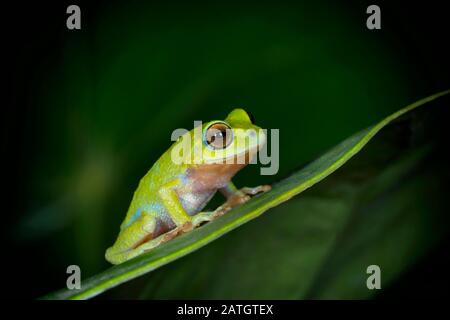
pixel 378 188
pixel 136 71
pixel 384 207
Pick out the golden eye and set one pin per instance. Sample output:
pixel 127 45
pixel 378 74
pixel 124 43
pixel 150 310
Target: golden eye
pixel 219 135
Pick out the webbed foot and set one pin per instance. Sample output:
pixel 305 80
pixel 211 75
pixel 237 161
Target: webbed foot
pixel 239 197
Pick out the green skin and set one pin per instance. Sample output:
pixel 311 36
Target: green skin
pixel 170 197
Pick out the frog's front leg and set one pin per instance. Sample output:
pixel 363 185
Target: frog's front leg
pixel 239 196
pixel 234 197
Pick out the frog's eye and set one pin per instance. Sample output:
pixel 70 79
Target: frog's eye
pixel 218 135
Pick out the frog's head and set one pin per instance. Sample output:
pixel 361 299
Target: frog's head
pixel 233 140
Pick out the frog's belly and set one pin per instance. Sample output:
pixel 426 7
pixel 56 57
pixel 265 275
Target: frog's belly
pixel 193 203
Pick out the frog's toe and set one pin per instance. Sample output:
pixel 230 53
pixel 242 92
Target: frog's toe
pixel 186 227
pixel 256 190
pixel 235 200
pixel 203 217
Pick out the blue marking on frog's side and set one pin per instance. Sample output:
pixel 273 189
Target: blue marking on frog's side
pixel 153 209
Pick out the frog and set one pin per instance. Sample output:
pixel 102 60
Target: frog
pixel 170 197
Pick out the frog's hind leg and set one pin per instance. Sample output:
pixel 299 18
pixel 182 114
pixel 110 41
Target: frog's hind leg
pixel 148 245
pixel 130 241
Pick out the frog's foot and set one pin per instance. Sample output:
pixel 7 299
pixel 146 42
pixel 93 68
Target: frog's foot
pixel 147 246
pixel 241 196
pixel 256 190
pixel 188 226
pixel 203 217
pixel 169 235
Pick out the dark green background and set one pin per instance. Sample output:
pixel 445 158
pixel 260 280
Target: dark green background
pixel 91 110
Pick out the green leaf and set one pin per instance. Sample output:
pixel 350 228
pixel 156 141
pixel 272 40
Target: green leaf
pixel 281 192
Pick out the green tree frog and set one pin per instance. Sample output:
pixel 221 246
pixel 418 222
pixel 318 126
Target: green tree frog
pixel 170 197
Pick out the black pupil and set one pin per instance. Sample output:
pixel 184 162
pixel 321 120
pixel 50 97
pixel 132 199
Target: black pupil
pixel 218 136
